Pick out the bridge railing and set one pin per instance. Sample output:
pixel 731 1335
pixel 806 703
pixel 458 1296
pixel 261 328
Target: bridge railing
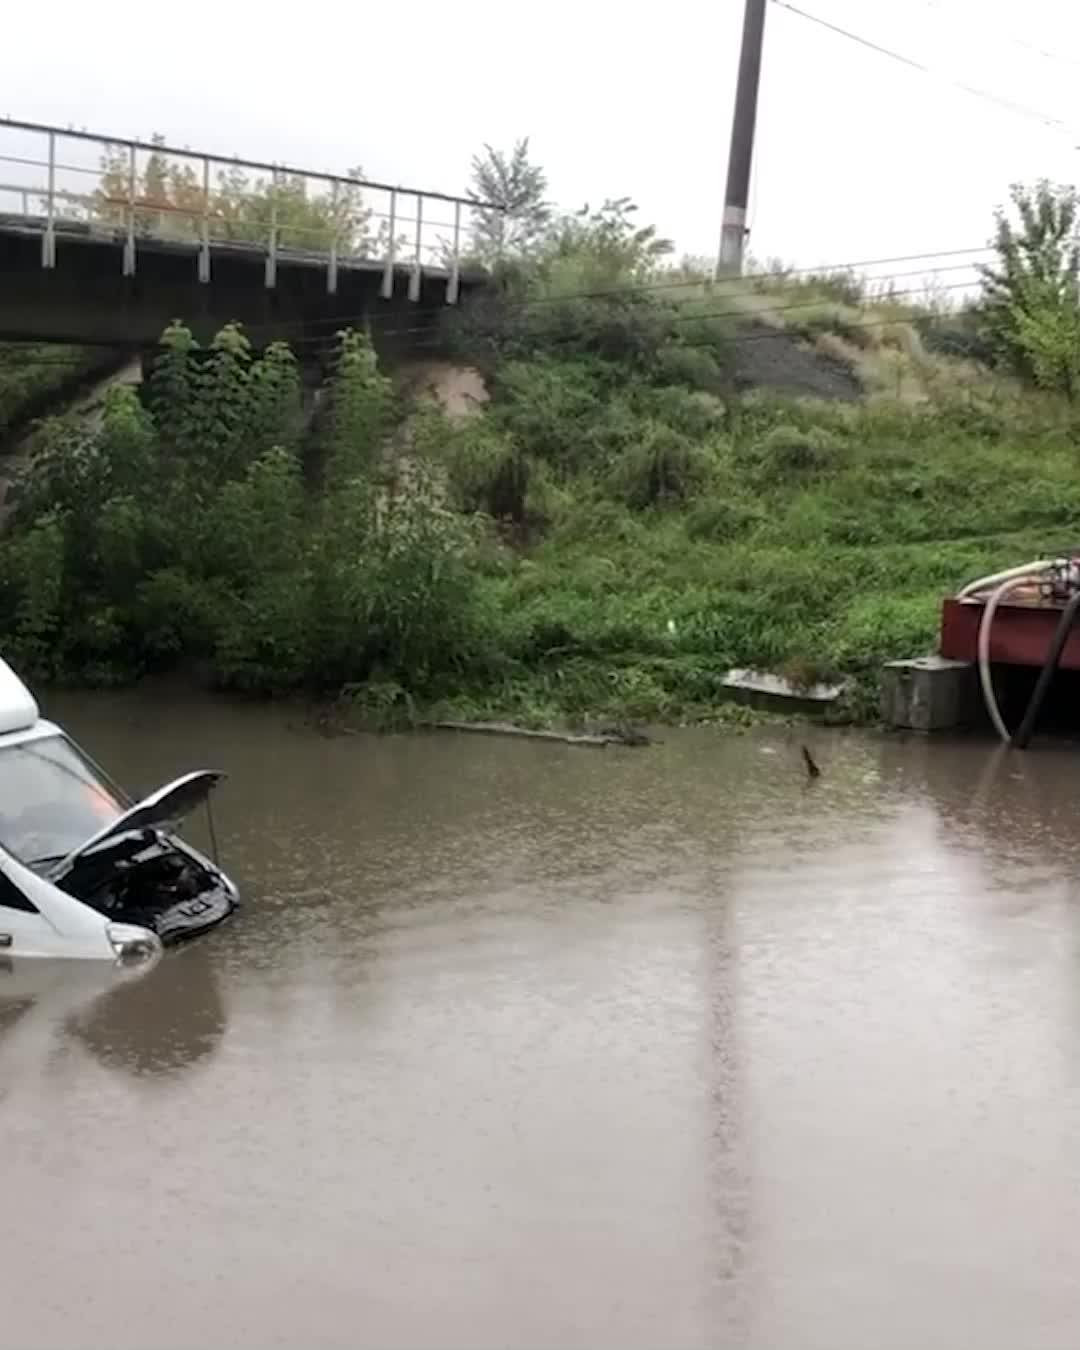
pixel 73 184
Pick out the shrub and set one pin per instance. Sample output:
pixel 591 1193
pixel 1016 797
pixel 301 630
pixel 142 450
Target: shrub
pixel 36 600
pixel 357 413
pixel 841 286
pixel 721 518
pixel 817 318
pixel 485 471
pixel 962 335
pixel 788 452
pixel 252 526
pixel 550 408
pixel 263 638
pixel 695 367
pixel 663 466
pixel 547 500
pixel 213 425
pixel 177 616
pixel 698 415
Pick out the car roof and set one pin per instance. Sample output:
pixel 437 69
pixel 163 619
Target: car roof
pixel 18 707
pixel 37 732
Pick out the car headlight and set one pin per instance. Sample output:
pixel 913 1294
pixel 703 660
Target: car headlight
pixel 132 943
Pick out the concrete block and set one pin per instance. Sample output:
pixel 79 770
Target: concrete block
pixel 773 691
pixel 930 693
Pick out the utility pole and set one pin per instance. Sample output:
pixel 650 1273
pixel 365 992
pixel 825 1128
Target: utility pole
pixel 740 161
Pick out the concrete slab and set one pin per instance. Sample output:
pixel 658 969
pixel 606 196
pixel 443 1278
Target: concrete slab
pixel 929 693
pixel 768 690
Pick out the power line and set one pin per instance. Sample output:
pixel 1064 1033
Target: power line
pixel 739 339
pixel 722 339
pixel 737 312
pixel 417 333
pixel 1010 105
pixel 644 288
pixel 742 284
pixel 429 336
pixel 1011 38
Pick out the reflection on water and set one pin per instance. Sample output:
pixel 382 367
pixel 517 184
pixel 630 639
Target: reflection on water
pixel 162 1019
pixel 11 1010
pixel 521 1044
pixel 162 1023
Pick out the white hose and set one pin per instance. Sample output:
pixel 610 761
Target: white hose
pixel 1012 582
pixel 984 583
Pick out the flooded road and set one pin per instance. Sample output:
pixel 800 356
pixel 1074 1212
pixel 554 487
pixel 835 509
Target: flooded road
pixel 523 1045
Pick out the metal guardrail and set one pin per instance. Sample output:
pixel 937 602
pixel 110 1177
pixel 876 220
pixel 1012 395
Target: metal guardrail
pixel 80 184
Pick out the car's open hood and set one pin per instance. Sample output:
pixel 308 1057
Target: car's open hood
pixel 162 810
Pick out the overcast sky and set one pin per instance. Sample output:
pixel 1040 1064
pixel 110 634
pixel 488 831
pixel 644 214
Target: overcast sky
pixel 858 157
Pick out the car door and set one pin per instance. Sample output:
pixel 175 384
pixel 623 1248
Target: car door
pixel 22 925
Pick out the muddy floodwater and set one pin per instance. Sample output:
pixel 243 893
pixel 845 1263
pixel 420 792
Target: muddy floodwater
pixel 522 1045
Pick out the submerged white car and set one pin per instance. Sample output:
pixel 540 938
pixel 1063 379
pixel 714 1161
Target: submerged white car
pixel 84 872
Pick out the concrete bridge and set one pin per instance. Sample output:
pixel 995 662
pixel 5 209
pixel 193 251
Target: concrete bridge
pixel 105 240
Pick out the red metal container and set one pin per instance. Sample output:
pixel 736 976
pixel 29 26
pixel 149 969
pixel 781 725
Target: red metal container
pixel 1020 636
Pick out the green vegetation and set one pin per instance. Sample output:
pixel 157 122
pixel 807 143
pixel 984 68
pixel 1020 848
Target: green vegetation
pixel 606 537
pixel 517 217
pixel 1032 304
pixel 33 374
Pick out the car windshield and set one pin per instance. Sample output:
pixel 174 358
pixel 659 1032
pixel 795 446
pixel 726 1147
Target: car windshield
pixel 51 800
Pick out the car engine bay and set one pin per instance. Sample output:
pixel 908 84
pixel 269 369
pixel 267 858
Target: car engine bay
pixel 149 879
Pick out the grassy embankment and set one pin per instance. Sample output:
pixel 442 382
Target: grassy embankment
pixel 605 538
pixel 810 537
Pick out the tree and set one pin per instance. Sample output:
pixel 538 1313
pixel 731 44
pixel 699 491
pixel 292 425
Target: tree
pixel 1032 295
pixel 616 246
pixel 167 196
pixel 574 282
pixel 515 215
pixel 170 201
pixel 246 210
pixel 1047 334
